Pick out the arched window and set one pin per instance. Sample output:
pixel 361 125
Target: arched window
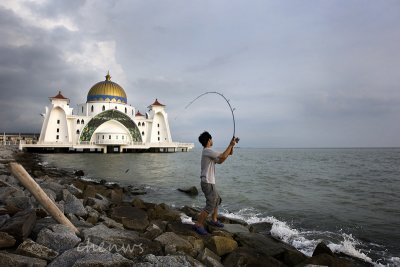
pixel 82 109
pixel 158 125
pixel 77 131
pixel 139 124
pixel 92 108
pixel 82 121
pixel 78 121
pixel 158 138
pixel 142 133
pixel 109 137
pixel 104 108
pixel 158 132
pixel 142 123
pixel 126 110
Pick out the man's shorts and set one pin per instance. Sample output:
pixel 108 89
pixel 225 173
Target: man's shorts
pixel 212 197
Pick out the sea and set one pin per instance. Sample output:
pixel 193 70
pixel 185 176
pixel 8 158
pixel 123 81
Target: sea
pixel 348 198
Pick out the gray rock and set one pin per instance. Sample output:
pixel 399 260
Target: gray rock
pixel 40 224
pixel 92 215
pixel 74 190
pixel 9 259
pixel 127 243
pixel 55 187
pixel 3 219
pixel 262 227
pixel 321 249
pixel 6 240
pixel 110 223
pixel 152 231
pixel 221 245
pixel 235 228
pixel 51 237
pixel 33 249
pixel 173 243
pixel 89 254
pixel 17 204
pixel 261 244
pixel 74 205
pixel 209 258
pixel 99 203
pixel 248 257
pixel 20 225
pixel 167 261
pixel 131 217
pixel 191 191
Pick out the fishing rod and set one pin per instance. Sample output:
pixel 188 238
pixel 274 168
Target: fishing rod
pixel 229 104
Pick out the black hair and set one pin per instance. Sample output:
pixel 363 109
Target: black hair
pixel 204 137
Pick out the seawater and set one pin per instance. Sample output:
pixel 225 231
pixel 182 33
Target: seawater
pixel 348 198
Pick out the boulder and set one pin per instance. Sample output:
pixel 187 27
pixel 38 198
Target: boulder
pixel 54 186
pixel 152 231
pixel 322 248
pixel 138 203
pixel 79 173
pixel 10 259
pixel 262 227
pixel 233 228
pixel 3 219
pixel 292 257
pixel 6 240
pixel 110 223
pixel 20 225
pixel 127 243
pixel 50 237
pixel 173 243
pixel 170 260
pixel 33 249
pixel 116 195
pixel 131 217
pixel 210 259
pixel 221 245
pixel 99 203
pixel 182 229
pixel 191 191
pixel 262 244
pixel 75 191
pixel 89 255
pixel 191 212
pixel 326 260
pixel 73 205
pixel 17 204
pixel 248 257
pixel 93 215
pixel 163 212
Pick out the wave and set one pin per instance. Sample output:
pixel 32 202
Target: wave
pixel 306 241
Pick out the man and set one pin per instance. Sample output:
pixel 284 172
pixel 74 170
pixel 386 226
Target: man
pixel 208 159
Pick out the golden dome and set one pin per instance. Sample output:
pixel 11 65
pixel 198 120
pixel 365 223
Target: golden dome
pixel 107 91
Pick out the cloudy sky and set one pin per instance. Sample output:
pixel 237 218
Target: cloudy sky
pixel 299 73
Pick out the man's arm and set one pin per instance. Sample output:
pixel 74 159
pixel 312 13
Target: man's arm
pixel 228 151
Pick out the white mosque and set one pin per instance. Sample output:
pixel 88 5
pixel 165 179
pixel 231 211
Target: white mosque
pixel 105 123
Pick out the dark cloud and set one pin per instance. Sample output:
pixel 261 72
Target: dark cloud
pixel 310 74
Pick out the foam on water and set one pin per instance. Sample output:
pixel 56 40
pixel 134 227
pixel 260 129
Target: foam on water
pixel 302 240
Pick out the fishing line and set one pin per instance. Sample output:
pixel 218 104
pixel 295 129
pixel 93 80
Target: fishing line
pixel 227 101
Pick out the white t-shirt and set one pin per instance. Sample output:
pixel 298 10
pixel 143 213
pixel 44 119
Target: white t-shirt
pixel 208 159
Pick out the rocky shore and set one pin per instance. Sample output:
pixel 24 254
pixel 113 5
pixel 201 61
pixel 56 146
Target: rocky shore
pixel 117 228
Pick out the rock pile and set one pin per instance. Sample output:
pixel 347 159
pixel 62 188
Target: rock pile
pixel 117 228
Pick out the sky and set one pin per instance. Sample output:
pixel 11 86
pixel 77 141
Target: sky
pixel 298 73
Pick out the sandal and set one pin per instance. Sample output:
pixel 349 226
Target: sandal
pixel 216 223
pixel 200 230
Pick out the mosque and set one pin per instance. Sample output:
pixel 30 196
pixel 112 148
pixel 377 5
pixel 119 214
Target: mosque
pixel 105 123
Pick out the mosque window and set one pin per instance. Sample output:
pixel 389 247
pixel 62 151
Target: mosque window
pixel 158 138
pixel 142 123
pixel 78 121
pixel 82 109
pixel 158 125
pixel 82 121
pixel 77 132
pixel 104 108
pixel 142 133
pixel 126 110
pixel 158 132
pixel 57 137
pixel 58 130
pixel 103 137
pixel 109 137
pixel 139 124
pixel 116 107
pixel 58 121
pixel 92 108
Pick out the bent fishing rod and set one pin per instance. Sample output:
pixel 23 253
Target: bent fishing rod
pixel 229 104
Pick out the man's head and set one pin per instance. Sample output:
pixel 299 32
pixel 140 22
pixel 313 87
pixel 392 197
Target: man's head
pixel 204 138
